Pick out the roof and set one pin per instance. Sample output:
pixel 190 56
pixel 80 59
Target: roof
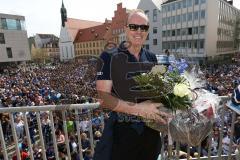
pixel 44 36
pixel 169 1
pixel 73 25
pixel 93 33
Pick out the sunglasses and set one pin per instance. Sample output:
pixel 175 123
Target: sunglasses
pixel 135 27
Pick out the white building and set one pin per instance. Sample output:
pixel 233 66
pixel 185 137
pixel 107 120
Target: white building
pixel 199 28
pixel 69 30
pixel 14 45
pixel 152 9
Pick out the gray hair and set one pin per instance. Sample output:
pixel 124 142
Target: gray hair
pixel 139 12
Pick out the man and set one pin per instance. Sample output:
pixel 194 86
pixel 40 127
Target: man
pixel 128 140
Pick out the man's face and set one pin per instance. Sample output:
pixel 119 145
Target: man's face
pixel 137 30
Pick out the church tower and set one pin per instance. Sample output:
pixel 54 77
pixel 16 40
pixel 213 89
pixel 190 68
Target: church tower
pixel 66 45
pixel 63 14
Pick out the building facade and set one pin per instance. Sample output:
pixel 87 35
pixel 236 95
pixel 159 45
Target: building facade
pixel 193 28
pixel 69 30
pixel 45 48
pixel 14 45
pixel 91 41
pixel 152 9
pixel 119 21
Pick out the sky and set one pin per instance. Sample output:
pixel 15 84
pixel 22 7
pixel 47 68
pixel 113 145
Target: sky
pixel 43 16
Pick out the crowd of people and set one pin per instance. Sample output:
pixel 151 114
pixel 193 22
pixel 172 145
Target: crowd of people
pixel 33 85
pixel 222 79
pixel 74 82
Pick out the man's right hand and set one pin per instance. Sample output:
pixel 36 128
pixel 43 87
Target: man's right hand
pixel 151 111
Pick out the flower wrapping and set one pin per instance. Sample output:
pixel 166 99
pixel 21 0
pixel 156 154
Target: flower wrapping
pixel 178 90
pixel 190 127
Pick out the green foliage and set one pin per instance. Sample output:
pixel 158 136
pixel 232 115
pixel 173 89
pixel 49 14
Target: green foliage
pixel 162 86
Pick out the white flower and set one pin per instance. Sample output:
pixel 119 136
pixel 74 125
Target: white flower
pixel 158 69
pixel 181 90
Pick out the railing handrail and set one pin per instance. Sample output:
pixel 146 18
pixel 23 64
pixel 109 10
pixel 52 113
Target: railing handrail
pixel 49 107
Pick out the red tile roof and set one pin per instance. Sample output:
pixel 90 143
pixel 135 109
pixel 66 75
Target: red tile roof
pixel 73 25
pixel 93 33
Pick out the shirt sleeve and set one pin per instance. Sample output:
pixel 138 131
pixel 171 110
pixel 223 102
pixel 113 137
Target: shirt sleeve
pixel 104 68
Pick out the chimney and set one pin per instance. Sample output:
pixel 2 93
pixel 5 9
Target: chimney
pixel 230 2
pixel 119 6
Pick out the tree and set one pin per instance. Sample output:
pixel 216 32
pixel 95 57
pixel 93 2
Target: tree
pixel 39 55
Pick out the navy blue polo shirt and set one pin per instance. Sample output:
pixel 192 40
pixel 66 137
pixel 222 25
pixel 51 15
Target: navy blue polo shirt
pixel 105 74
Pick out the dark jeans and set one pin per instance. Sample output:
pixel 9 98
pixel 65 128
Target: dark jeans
pixel 122 142
pixel 130 145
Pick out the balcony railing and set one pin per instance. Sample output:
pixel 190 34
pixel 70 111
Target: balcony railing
pixel 167 152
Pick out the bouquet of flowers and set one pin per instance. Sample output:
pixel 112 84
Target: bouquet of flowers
pixel 175 87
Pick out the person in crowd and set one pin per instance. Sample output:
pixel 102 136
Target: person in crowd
pixel 85 143
pixel 19 126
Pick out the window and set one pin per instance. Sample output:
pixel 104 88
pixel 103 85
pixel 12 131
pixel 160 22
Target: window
pixel 146 12
pixel 179 5
pixel 18 24
pixel 189 3
pixel 219 31
pixel 196 15
pixel 178 18
pixel 173 46
pixel 184 17
pixel 169 20
pixel 155 15
pixel 168 33
pixel 183 44
pixel 202 14
pixel 190 16
pixel 164 21
pixel 163 33
pixel 173 6
pixel 11 24
pixel 9 53
pixel 154 30
pixel 202 30
pixel 189 44
pixel 201 44
pixel 196 2
pixel 184 3
pixel 168 8
pixel 184 31
pixel 173 19
pixel 195 30
pixel 154 41
pixel 195 44
pixel 173 32
pixel 2 39
pixel 203 1
pixel 178 45
pixel 164 46
pixel 189 31
pixel 4 23
pixel 178 32
pixel 163 9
